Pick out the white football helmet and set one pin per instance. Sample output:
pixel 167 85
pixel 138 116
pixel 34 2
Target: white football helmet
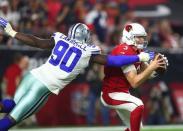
pixel 131 31
pixel 80 32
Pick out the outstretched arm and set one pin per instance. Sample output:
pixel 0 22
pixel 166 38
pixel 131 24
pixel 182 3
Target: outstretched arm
pixel 121 60
pixel 35 41
pixel 26 38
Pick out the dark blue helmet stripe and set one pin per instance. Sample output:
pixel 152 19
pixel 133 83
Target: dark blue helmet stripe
pixel 71 32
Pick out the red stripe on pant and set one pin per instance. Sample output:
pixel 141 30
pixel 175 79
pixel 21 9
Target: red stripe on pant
pixel 135 118
pixel 112 102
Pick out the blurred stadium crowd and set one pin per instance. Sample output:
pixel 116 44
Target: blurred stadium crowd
pixel 43 17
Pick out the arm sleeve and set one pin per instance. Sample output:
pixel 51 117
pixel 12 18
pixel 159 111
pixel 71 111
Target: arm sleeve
pixel 128 68
pixel 95 50
pixel 121 60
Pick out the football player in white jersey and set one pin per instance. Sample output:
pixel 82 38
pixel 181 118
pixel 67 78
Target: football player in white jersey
pixel 70 55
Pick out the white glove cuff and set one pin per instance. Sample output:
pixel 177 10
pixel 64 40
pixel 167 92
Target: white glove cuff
pixel 144 57
pixel 12 33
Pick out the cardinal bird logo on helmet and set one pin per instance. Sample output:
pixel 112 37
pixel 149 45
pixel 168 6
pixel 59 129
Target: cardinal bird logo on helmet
pixel 128 28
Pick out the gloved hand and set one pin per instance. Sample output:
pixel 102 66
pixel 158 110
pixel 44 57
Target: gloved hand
pixel 145 57
pixel 165 59
pixel 7 27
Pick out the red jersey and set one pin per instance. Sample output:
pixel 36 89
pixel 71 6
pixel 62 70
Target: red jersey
pixel 115 80
pixel 11 74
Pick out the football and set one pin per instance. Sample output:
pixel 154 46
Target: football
pixel 161 71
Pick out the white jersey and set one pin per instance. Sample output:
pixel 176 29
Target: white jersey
pixel 67 60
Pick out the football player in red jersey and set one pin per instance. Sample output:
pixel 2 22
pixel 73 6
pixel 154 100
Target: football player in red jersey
pixel 117 81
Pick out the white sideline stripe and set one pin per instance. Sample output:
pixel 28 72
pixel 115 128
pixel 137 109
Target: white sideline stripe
pixel 107 128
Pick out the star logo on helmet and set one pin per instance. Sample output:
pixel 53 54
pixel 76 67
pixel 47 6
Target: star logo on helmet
pixel 128 28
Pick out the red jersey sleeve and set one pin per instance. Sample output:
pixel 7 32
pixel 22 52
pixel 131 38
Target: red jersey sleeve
pixel 124 49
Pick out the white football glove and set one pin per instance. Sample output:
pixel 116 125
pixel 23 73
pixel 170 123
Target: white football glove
pixel 166 60
pixel 7 27
pixel 145 57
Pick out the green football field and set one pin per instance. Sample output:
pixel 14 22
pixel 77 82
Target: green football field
pixel 110 128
